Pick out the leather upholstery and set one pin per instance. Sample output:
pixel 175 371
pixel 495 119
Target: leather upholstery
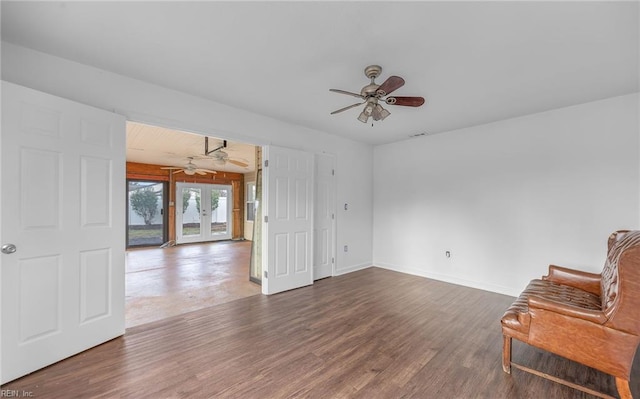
pixel 590 318
pixel 518 318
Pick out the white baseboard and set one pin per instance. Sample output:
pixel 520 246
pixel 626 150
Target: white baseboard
pixel 352 268
pixel 450 279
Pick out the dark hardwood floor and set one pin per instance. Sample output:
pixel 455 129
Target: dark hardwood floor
pixel 369 334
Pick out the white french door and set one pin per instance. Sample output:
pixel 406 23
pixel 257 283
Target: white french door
pixel 203 212
pixel 288 193
pixel 62 173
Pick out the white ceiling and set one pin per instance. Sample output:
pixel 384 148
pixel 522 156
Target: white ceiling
pixel 474 62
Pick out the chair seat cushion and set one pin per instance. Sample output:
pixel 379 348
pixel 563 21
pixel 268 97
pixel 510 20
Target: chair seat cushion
pixel 517 315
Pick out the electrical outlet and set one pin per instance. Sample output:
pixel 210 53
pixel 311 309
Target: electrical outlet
pixel 346 248
pixel 447 254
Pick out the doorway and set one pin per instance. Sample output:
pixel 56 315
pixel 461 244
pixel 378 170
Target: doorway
pixel 203 212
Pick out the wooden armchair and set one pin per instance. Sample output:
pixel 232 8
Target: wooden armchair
pixel 593 319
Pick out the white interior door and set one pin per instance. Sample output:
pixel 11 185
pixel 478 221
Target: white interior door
pixel 324 219
pixel 203 212
pixel 62 205
pixel 288 194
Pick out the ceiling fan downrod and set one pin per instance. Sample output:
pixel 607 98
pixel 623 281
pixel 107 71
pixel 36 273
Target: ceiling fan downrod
pixel 206 146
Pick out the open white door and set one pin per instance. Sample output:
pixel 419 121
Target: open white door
pixel 62 207
pixel 288 196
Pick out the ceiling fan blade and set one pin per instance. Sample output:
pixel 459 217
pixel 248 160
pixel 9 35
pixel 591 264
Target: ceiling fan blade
pixel 347 93
pixel 171 167
pixel 406 101
pixel 346 108
pixel 205 171
pixel 390 85
pixel 178 171
pixel 200 172
pixel 238 163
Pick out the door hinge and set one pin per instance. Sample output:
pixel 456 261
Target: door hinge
pixel 266 274
pixel 266 163
pixel 266 219
pixel 333 172
pixel 333 260
pixel 333 216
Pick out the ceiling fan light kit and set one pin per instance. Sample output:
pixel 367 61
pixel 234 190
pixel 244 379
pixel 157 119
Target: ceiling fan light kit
pixel 372 93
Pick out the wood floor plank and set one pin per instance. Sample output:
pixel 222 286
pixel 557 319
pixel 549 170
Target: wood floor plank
pixel 369 334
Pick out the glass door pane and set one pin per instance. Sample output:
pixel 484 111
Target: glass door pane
pixel 219 212
pixel 191 216
pixel 145 216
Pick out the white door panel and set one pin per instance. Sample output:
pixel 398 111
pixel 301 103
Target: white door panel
pixel 289 198
pixel 62 173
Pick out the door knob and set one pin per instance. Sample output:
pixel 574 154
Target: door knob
pixel 9 249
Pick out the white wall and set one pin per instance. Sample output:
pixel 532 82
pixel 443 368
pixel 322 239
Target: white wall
pixel 509 198
pixel 147 103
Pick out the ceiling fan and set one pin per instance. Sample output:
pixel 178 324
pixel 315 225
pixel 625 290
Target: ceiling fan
pixel 221 157
pixel 373 93
pixel 189 169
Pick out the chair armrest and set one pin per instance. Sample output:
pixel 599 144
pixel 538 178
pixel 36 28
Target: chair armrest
pixel 586 281
pixel 594 316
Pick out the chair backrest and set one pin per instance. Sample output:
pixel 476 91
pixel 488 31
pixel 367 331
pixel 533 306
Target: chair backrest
pixel 620 284
pixel 615 237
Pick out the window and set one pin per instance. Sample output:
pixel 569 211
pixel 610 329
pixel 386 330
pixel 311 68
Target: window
pixel 251 202
pixel 146 219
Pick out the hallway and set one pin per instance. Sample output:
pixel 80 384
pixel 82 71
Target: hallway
pixel 162 283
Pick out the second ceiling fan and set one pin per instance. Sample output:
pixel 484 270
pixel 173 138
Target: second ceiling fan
pixel 372 94
pixel 189 169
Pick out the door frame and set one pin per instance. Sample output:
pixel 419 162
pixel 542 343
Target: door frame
pixel 333 206
pixel 187 127
pixel 204 237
